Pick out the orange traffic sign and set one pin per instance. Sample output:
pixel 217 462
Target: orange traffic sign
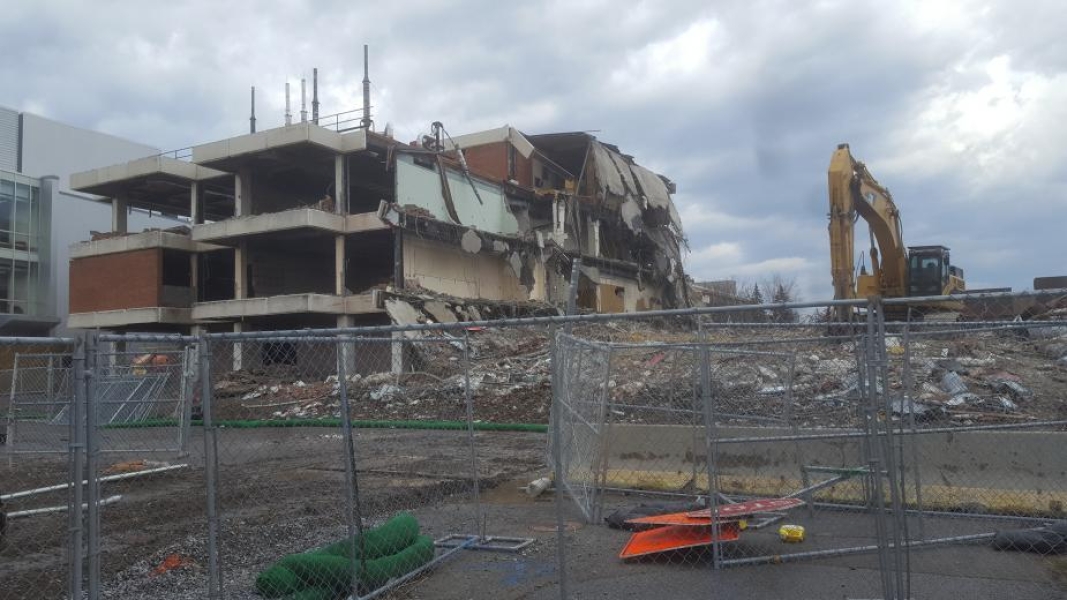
pixel 665 539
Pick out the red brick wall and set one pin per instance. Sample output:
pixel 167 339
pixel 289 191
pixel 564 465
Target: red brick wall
pixel 116 281
pixel 491 161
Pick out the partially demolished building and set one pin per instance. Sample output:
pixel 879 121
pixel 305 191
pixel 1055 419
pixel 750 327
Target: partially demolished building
pixel 305 226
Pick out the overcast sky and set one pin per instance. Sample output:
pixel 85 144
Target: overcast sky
pixel 960 108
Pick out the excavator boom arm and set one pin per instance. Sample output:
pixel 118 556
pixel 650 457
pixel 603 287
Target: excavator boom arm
pixel 854 191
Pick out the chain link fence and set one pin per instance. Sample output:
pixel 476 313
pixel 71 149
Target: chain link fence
pixel 856 443
pixel 914 451
pixel 37 463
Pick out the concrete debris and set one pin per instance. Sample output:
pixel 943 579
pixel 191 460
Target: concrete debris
pixel 1006 404
pixel 1014 388
pixel 510 379
pixel 385 392
pixel 952 383
pixel 767 373
pixel 538 486
pixel 834 367
pixel 969 362
pixel 931 391
pixel 773 390
pixel 908 407
pixel 964 398
pixel 893 345
pixel 414 307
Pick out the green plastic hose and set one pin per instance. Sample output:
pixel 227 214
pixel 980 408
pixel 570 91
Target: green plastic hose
pixel 392 550
pixel 398 533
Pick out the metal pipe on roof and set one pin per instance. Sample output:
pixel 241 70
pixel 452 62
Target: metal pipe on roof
pixel 252 118
pixel 288 115
pixel 366 121
pixel 315 95
pixel 303 100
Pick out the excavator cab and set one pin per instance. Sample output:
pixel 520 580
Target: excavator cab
pixel 930 272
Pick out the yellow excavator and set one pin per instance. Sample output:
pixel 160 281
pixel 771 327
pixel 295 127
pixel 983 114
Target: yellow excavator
pixel 896 271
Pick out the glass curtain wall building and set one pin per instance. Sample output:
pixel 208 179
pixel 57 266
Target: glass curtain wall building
pixel 25 254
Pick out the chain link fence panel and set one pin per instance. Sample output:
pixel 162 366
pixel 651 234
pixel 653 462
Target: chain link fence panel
pixel 895 455
pixel 843 443
pixel 40 533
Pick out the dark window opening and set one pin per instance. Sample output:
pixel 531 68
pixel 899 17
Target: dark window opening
pixel 369 182
pixel 177 268
pixel 278 353
pixel 370 261
pixel 216 276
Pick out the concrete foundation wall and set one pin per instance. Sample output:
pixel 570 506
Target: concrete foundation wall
pixel 451 270
pixel 1021 464
pixel 116 281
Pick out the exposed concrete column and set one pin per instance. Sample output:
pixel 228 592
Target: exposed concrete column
pixel 399 353
pixel 238 348
pixel 194 204
pixel 339 265
pixel 117 350
pixel 120 208
pixel 340 186
pixel 347 347
pixel 193 366
pixel 194 277
pixel 593 227
pixel 242 193
pixel 240 271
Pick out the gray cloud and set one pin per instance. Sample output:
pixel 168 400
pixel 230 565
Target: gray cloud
pixel 958 107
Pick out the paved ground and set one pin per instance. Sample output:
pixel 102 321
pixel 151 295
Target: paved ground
pixel 596 572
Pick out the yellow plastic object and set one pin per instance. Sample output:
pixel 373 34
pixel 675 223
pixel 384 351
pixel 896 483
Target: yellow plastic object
pixel 791 533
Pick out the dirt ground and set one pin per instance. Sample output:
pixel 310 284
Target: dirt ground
pixel 280 491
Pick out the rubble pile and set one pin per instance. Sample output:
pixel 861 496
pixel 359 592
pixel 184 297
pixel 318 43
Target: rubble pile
pixel 972 379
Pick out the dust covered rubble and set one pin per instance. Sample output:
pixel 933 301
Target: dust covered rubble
pixel 979 379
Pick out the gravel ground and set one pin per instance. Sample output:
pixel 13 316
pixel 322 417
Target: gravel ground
pixel 280 492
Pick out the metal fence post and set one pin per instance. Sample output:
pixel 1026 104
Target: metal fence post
pixel 11 420
pixel 710 446
pixel 908 382
pixel 554 429
pixel 188 391
pixel 600 469
pixel 894 470
pixel 76 448
pixel 469 399
pixel 92 445
pixel 876 458
pixel 353 510
pixel 211 467
pixel 557 463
